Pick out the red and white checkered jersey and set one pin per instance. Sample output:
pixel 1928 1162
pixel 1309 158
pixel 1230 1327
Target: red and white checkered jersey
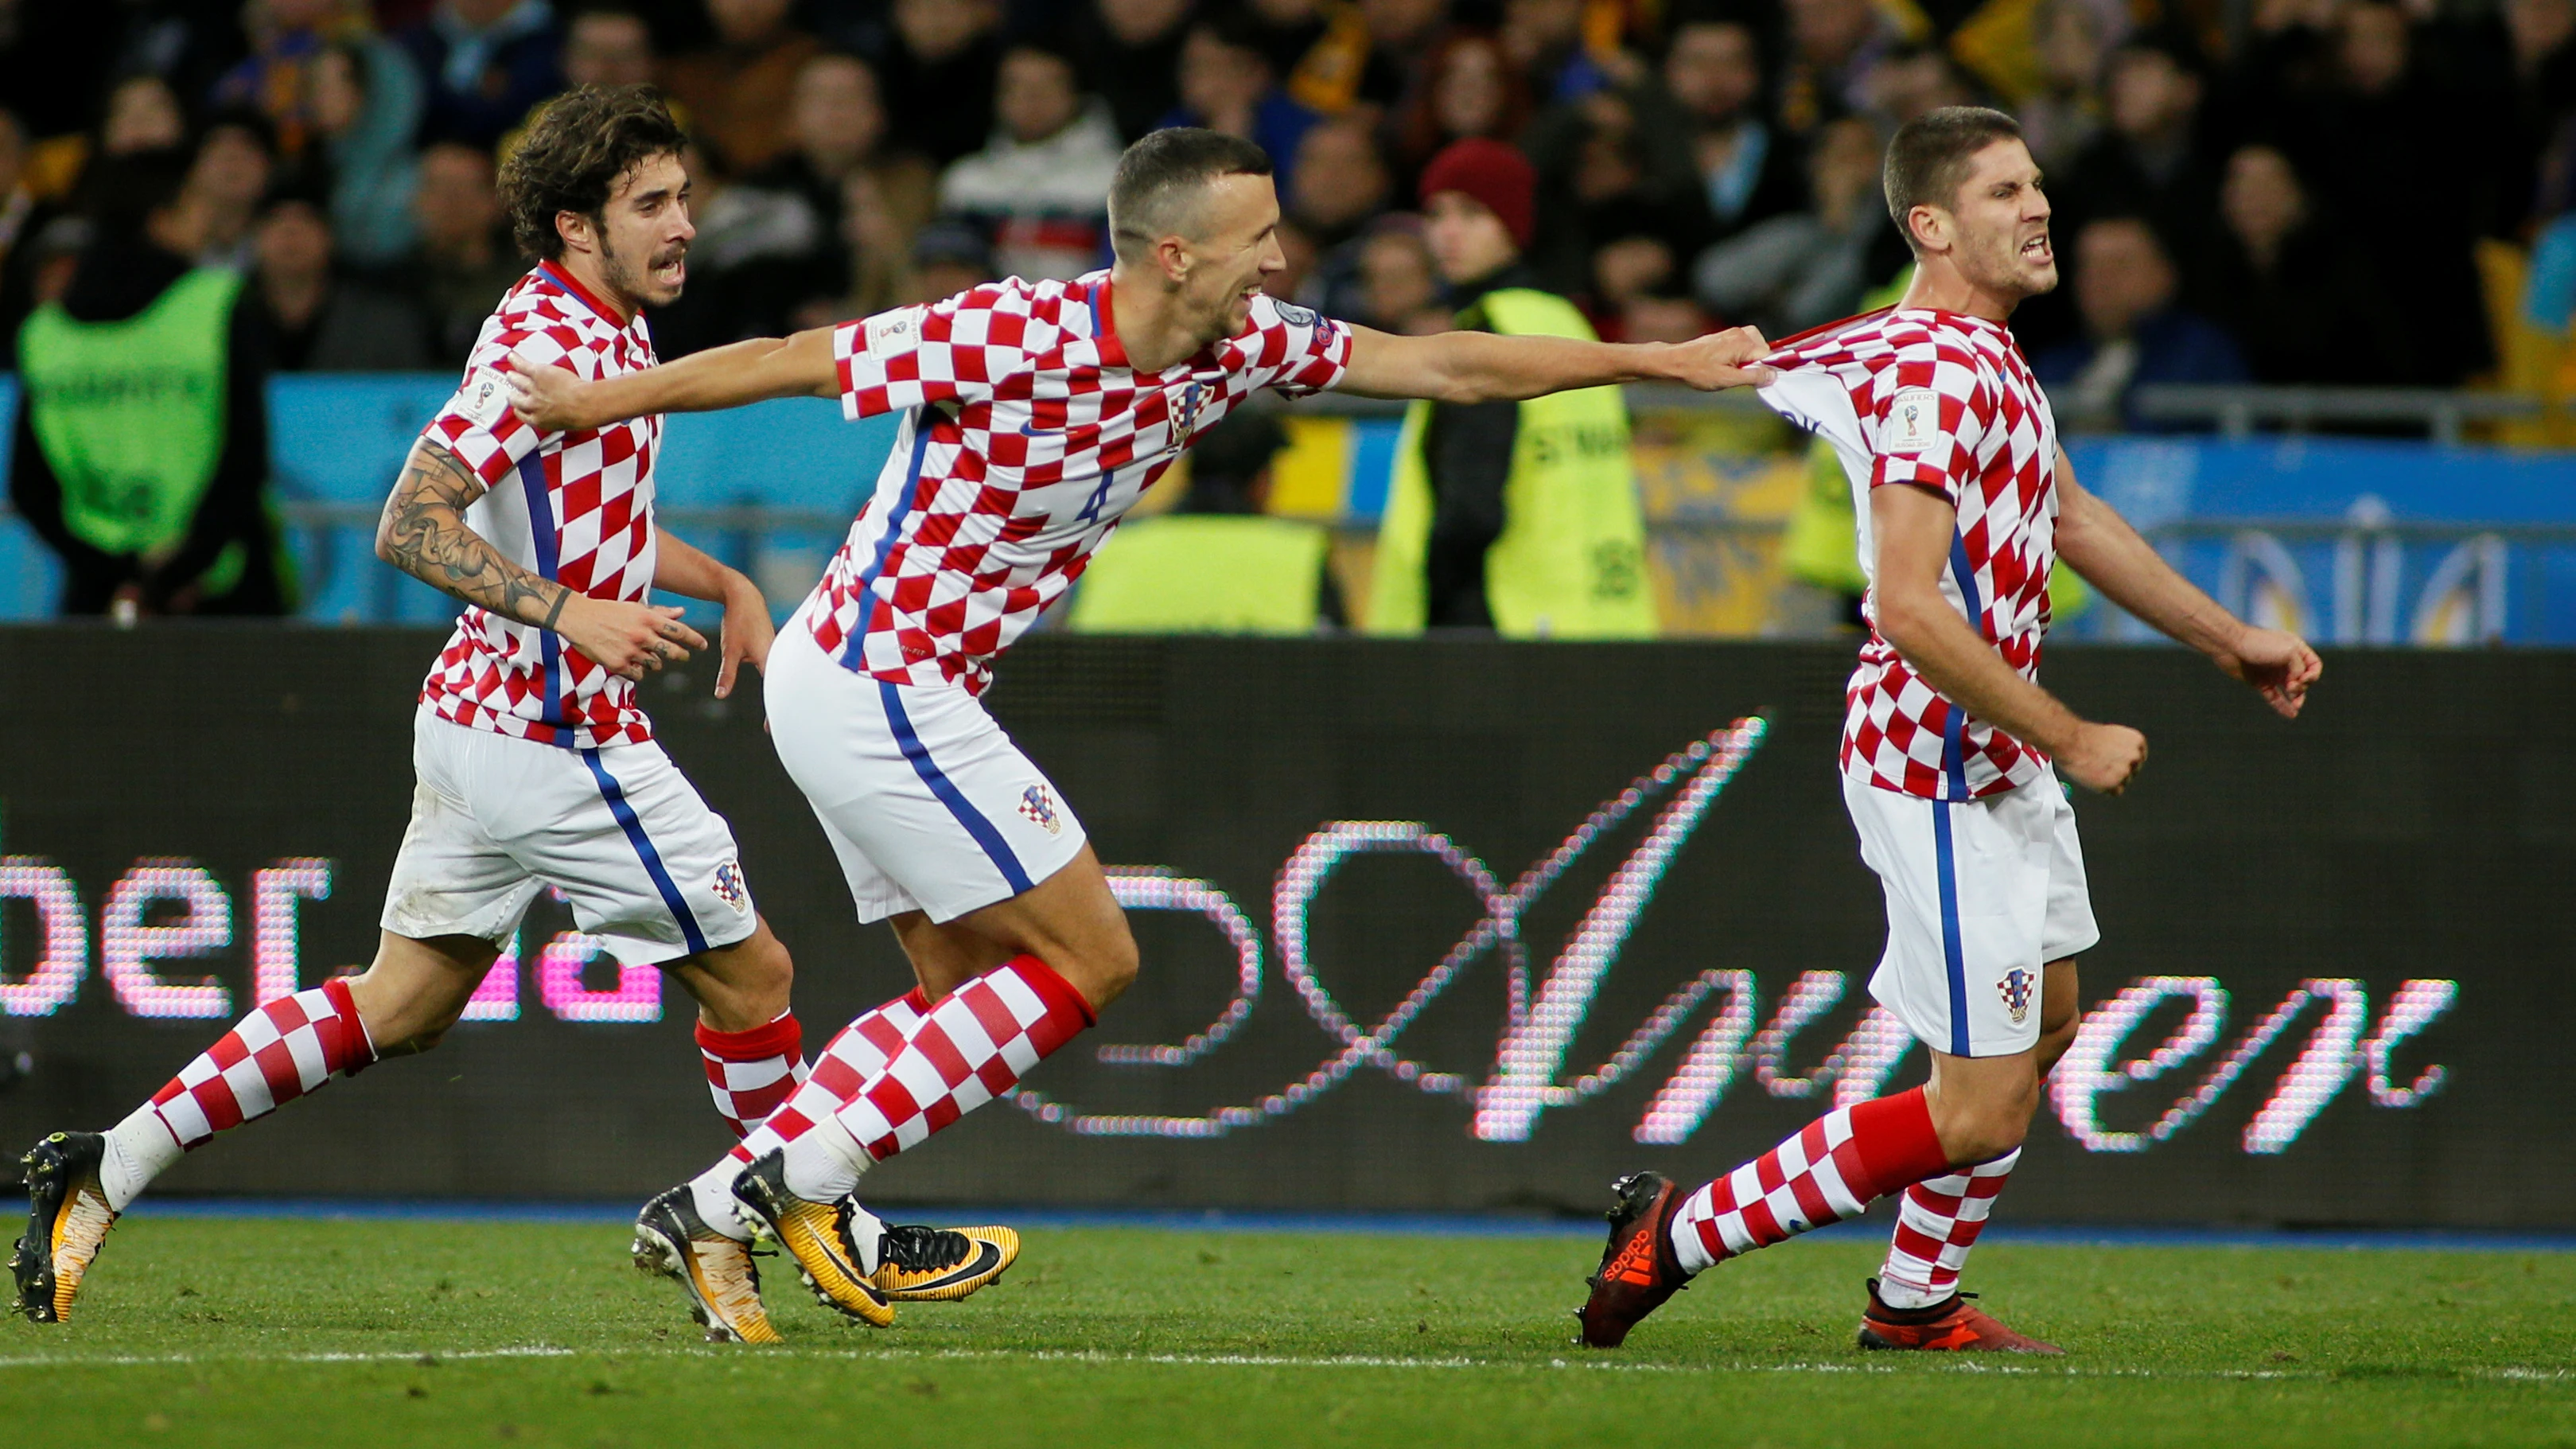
pixel 575 507
pixel 1026 437
pixel 1943 401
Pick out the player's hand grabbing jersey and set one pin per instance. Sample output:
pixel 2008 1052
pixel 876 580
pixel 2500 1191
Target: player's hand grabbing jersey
pixel 1026 437
pixel 574 507
pixel 1942 401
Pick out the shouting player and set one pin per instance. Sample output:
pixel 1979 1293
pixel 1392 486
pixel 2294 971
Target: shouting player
pixel 1951 751
pixel 536 766
pixel 1034 415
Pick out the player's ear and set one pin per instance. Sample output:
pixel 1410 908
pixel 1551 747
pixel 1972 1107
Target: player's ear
pixel 1172 253
pixel 575 230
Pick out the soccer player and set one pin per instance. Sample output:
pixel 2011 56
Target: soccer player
pixel 1951 751
pixel 1034 415
pixel 536 765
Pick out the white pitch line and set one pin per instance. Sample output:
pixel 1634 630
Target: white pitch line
pixel 2510 1374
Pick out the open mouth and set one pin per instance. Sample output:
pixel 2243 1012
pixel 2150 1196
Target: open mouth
pixel 673 270
pixel 2037 251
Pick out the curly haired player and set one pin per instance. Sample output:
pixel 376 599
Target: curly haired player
pixel 536 766
pixel 1951 751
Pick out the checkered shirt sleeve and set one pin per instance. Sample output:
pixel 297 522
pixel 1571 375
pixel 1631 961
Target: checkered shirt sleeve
pixel 954 351
pixel 1293 350
pixel 1926 414
pixel 476 424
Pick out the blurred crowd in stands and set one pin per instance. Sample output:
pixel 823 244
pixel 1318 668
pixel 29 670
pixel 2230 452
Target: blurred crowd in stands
pixel 2288 191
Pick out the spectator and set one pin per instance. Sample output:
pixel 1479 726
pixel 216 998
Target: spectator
pixel 486 64
pixel 23 218
pixel 1041 189
pixel 1637 296
pixel 837 125
pixel 2061 113
pixel 1480 532
pixel 1544 39
pixel 1745 171
pixel 1910 81
pixel 2147 160
pixel 317 320
pixel 1600 181
pixel 143 114
pixel 1832 46
pixel 1401 37
pixel 141 455
pixel 1399 288
pixel 609 48
pixel 2126 291
pixel 236 159
pixel 2303 305
pixel 462 266
pixel 1794 272
pixel 288 38
pixel 947 258
pixel 1129 54
pixel 1215 564
pixel 1342 183
pixel 759 254
pixel 732 89
pixel 367 103
pixel 1227 85
pixel 940 73
pixel 1469 88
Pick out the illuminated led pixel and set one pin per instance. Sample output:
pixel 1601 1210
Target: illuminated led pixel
pixel 273 893
pixel 49 985
pixel 127 947
pixel 637 996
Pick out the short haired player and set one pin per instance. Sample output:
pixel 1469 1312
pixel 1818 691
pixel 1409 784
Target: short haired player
pixel 1951 752
pixel 1034 415
pixel 536 765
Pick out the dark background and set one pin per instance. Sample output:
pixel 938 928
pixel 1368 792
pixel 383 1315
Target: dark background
pixel 2420 822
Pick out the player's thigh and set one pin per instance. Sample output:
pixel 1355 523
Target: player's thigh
pixel 416 989
pixel 1072 922
pixel 1965 884
pixel 929 804
pixel 2070 929
pixel 643 861
pixel 451 877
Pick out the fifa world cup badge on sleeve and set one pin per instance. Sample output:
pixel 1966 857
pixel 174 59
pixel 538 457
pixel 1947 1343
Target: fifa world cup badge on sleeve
pixel 1911 421
pixel 896 331
pixel 484 398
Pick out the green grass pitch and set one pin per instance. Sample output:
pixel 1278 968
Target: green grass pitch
pixel 278 1334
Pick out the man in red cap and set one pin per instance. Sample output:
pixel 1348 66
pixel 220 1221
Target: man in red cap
pixel 1515 517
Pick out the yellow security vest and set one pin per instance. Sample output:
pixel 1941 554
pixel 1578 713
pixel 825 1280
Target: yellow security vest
pixel 1571 561
pixel 1204 573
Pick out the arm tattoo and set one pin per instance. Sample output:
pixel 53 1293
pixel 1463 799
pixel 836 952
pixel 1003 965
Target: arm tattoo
pixel 423 533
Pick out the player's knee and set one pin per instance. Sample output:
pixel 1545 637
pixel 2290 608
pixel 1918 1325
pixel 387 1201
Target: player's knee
pixel 2055 1036
pixel 1109 969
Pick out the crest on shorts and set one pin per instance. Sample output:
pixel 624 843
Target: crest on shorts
pixel 2016 991
pixel 1039 807
pixel 731 890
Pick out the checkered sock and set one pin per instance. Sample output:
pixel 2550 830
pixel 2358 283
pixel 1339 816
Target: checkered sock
pixel 271 1057
pixel 750 1073
pixel 1826 1173
pixel 858 1052
pixel 1936 1225
pixel 877 1093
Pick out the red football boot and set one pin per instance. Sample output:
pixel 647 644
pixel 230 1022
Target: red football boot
pixel 1952 1325
pixel 1638 1269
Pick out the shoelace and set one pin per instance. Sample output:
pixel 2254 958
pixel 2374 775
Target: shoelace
pixel 917 1249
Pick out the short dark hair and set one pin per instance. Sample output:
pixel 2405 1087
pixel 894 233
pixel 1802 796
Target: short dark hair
pixel 576 149
pixel 1155 192
pixel 1927 161
pixel 121 193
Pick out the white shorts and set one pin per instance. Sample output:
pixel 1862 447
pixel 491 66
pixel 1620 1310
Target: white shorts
pixel 928 804
pixel 621 832
pixel 1981 894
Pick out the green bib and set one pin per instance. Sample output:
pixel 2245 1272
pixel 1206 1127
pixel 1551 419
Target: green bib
pixel 131 414
pixel 1571 560
pixel 1204 573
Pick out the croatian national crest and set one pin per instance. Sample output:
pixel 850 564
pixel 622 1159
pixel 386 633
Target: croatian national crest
pixel 2016 992
pixel 1185 410
pixel 1038 807
pixel 731 890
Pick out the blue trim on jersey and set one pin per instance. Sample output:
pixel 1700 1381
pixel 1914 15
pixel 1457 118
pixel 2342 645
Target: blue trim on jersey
pixel 541 532
pixel 615 795
pixel 1954 730
pixel 995 847
pixel 854 649
pixel 1953 949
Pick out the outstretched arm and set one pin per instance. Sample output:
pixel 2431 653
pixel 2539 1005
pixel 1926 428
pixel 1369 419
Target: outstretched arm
pixel 554 400
pixel 1474 367
pixel 2095 541
pixel 1914 527
pixel 423 533
pixel 747 632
